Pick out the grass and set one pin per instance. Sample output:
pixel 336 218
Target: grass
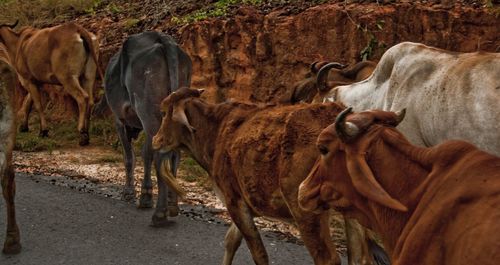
pixel 65 135
pixel 31 142
pixel 40 12
pixel 218 9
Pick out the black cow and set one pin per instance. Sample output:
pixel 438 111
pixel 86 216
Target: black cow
pixel 148 68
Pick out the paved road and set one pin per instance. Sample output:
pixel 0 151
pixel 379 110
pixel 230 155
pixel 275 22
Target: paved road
pixel 64 226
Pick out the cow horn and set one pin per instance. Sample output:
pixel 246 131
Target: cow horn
pixel 313 67
pixel 179 114
pixel 322 76
pixel 201 90
pixel 365 183
pixel 10 26
pixel 345 130
pixel 400 115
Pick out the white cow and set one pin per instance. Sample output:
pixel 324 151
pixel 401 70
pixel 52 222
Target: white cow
pixel 447 95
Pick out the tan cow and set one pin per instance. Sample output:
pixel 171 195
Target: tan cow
pixel 256 157
pixel 12 243
pixel 61 55
pixel 436 205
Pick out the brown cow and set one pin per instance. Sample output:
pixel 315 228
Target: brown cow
pixel 323 77
pixel 256 157
pixel 435 205
pixel 62 55
pixel 12 243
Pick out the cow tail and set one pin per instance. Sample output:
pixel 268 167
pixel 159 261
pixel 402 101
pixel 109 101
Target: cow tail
pixel 94 51
pixel 379 255
pixel 171 52
pixel 169 178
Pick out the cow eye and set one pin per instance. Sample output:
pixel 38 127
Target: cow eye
pixel 323 149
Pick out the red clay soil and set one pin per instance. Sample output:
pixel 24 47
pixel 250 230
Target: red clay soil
pixel 256 53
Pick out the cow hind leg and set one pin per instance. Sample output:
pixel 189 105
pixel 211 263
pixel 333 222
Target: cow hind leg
pixel 72 86
pixel 160 217
pixel 37 101
pixel 146 199
pixel 24 113
pixel 357 248
pixel 172 200
pixel 315 232
pixel 125 134
pixel 12 244
pixel 243 219
pixel 232 242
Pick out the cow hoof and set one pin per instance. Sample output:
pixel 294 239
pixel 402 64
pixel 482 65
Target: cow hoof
pixel 128 195
pixel 44 133
pixel 84 139
pixel 145 201
pixel 24 128
pixel 173 211
pixel 11 248
pixel 159 220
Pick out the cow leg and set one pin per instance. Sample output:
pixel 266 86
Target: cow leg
pixel 88 84
pixel 12 243
pixel 232 242
pixel 146 199
pixel 243 219
pixel 167 199
pixel 315 232
pixel 37 101
pixel 125 135
pixel 160 217
pixel 314 228
pixel 72 86
pixel 24 113
pixel 172 200
pixel 357 248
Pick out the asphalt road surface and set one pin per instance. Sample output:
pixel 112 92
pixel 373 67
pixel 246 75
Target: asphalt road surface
pixel 65 226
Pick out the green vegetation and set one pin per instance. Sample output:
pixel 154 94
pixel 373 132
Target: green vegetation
pixel 40 12
pixel 218 9
pixel 30 142
pixel 65 134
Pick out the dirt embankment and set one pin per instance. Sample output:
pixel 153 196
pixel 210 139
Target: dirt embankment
pixel 256 53
pixel 257 57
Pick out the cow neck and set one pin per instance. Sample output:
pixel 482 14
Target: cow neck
pixel 202 116
pixel 11 40
pixel 401 169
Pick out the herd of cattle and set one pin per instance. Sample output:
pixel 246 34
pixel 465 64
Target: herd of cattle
pixel 430 188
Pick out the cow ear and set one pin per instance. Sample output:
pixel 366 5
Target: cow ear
pixel 365 183
pixel 179 115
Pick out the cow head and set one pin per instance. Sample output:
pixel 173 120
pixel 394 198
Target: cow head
pixel 342 177
pixel 175 123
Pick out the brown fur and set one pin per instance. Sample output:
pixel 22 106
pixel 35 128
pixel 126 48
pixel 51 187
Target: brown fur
pixel 256 156
pixel 451 192
pixel 59 56
pixel 12 243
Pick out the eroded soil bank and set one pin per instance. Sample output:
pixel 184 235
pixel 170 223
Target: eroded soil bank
pixel 256 53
